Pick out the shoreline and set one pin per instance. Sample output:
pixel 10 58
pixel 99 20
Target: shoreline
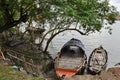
pixel 109 74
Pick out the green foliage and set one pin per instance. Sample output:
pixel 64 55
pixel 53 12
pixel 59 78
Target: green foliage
pixel 85 16
pixel 89 13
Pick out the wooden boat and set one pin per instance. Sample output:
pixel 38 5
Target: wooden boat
pixel 71 59
pixel 97 61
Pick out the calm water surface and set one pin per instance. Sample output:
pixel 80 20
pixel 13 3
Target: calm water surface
pixel 110 42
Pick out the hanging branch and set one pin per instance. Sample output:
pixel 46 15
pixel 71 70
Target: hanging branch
pixel 49 40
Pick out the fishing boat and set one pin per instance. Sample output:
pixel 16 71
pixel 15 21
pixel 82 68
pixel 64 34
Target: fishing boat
pixel 71 59
pixel 97 60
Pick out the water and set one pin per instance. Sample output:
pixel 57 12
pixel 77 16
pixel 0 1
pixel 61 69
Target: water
pixel 110 42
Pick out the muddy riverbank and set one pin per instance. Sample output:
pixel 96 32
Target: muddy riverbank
pixel 110 74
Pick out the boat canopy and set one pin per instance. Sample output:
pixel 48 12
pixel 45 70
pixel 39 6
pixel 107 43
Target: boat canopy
pixel 73 43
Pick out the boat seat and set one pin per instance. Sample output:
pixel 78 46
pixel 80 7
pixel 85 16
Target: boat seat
pixel 69 63
pixel 96 67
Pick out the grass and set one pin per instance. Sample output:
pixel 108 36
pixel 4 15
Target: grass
pixel 7 73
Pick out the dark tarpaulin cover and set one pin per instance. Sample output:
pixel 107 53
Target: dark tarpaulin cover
pixel 74 42
pixel 13 43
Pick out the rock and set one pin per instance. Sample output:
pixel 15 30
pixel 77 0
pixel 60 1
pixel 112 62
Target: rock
pixel 110 74
pixel 107 76
pixel 115 71
pixel 84 77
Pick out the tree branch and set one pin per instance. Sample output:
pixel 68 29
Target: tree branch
pixel 50 39
pixel 13 23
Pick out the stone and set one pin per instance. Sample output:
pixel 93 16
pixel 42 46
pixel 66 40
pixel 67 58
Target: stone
pixel 105 75
pixel 84 77
pixel 115 71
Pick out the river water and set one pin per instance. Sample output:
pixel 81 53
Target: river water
pixel 110 42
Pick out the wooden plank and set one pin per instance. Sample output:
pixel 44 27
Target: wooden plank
pixel 21 60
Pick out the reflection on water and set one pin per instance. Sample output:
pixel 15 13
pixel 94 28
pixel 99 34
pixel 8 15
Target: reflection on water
pixel 109 42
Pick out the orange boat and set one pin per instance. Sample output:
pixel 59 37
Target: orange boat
pixel 71 59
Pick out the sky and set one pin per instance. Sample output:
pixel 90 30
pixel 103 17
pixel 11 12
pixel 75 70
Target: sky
pixel 116 3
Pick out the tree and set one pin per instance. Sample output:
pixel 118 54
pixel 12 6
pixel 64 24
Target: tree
pixel 86 16
pixel 11 14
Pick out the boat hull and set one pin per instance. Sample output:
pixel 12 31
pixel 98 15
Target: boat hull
pixel 97 61
pixel 70 60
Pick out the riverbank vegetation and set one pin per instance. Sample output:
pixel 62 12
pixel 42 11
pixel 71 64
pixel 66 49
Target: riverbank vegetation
pixel 7 73
pixel 31 19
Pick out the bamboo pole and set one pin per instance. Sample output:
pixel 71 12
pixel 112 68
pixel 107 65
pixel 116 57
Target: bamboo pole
pixel 2 55
pixel 21 60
